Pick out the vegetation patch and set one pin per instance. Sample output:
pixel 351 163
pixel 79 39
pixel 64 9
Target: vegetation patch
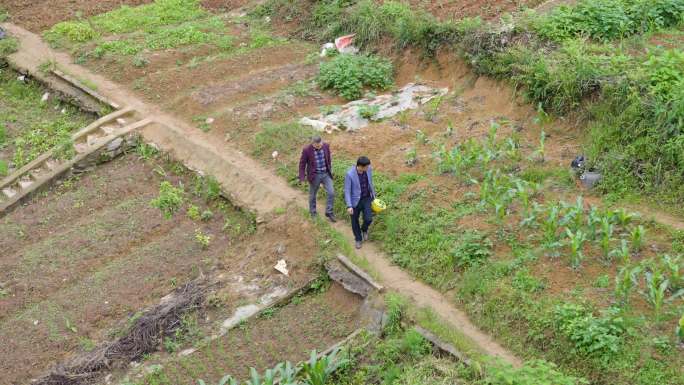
pixel 348 75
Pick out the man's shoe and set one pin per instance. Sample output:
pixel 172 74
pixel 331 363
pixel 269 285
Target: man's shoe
pixel 365 235
pixel 358 244
pixel 331 217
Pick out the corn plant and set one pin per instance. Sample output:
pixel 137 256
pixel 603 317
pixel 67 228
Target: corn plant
pixel 594 219
pixel 625 281
pixel 269 377
pixel 540 152
pixel 532 218
pixel 656 290
pixel 287 373
pixel 622 253
pixel 574 215
pixel 607 229
pixel 576 241
pixel 316 371
pixel 550 226
pixel 636 236
pixel 674 267
pixel 621 217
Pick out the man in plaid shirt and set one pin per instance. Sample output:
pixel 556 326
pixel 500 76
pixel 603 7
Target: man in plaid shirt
pixel 315 165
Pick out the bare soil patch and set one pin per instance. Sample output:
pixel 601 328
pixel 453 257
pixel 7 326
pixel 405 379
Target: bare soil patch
pixel 40 15
pixel 310 322
pixel 100 236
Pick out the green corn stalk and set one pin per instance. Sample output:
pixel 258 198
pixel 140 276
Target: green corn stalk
pixel 288 373
pixel 550 225
pixel 317 370
pixel 622 253
pixel 540 152
pixel 523 194
pixel 656 288
pixel 637 238
pixel 594 219
pixel 680 329
pixel 577 240
pixel 532 219
pixel 607 230
pixel 625 280
pixel 674 267
pixel 621 217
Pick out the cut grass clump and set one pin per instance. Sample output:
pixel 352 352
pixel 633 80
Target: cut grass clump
pixel 348 75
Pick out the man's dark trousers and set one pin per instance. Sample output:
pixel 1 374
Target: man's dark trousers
pixel 327 182
pixel 364 207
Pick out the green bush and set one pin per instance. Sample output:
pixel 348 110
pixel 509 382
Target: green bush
pixel 347 75
pixel 170 199
pixel 592 336
pixel 471 249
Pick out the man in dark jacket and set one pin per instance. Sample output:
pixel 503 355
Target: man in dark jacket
pixel 316 165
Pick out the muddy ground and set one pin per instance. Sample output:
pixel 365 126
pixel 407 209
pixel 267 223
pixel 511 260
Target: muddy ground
pixel 99 235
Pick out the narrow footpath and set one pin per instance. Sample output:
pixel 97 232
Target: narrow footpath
pixel 251 185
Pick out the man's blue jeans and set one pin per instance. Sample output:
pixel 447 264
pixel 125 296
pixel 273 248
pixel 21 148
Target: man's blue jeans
pixel 364 207
pixel 327 182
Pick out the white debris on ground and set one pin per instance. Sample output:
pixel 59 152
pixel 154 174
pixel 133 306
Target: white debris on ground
pixel 348 117
pixel 343 45
pixel 45 97
pixel 281 266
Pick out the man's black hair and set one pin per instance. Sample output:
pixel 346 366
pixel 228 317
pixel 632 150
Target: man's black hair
pixel 363 161
pixel 316 139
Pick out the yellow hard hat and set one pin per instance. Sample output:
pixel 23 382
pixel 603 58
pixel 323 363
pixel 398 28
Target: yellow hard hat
pixel 378 205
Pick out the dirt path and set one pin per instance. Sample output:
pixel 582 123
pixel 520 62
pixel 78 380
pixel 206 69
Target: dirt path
pixel 250 183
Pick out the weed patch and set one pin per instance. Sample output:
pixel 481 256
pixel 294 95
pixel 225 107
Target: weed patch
pixel 348 75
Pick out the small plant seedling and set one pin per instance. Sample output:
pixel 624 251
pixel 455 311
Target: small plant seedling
pixel 421 137
pixel 637 238
pixel 411 157
pixel 625 280
pixel 193 212
pixel 607 229
pixel 622 252
pixel 540 153
pixel 169 200
pixel 603 281
pixel 576 241
pixel 368 112
pixel 203 239
pixel 621 217
pixel 206 215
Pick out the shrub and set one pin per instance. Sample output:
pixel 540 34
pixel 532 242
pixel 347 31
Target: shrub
pixel 472 249
pixel 170 199
pixel 592 336
pixel 347 75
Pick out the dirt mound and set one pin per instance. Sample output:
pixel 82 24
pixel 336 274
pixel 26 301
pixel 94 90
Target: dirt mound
pixel 144 336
